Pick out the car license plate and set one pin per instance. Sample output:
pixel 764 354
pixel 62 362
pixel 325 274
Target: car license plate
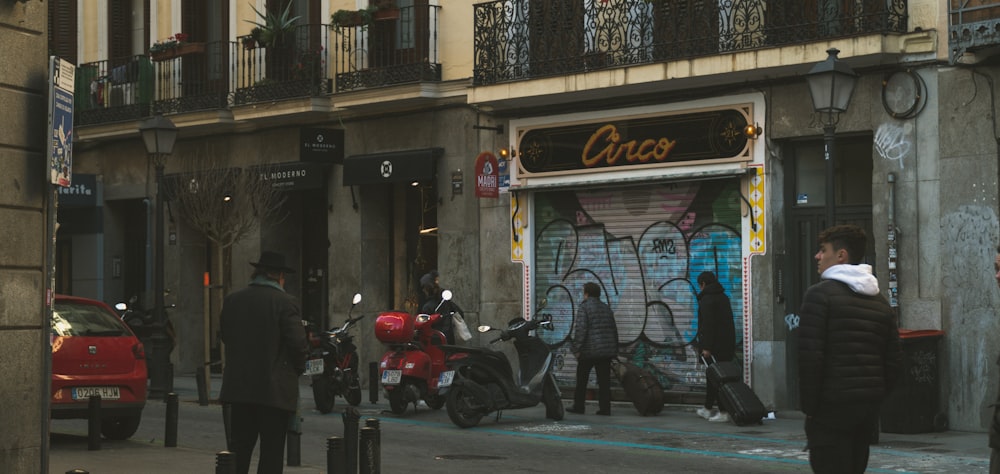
pixel 314 367
pixel 106 393
pixel 446 377
pixel 391 377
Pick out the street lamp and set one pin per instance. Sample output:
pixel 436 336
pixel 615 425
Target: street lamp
pixel 159 134
pixel 831 84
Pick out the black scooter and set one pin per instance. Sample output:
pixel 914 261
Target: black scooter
pixel 333 363
pixel 484 382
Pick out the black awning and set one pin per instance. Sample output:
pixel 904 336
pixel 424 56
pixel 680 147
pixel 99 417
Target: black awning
pixel 391 167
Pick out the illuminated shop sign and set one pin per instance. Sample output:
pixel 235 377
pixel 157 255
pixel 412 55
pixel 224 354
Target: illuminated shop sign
pixel 678 139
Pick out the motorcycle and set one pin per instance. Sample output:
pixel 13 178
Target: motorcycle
pixel 481 381
pixel 411 368
pixel 333 363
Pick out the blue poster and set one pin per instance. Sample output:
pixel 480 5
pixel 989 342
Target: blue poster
pixel 61 122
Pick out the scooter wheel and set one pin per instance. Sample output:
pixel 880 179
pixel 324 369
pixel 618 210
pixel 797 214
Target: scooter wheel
pixel 435 402
pixel 397 402
pixel 463 409
pixel 323 394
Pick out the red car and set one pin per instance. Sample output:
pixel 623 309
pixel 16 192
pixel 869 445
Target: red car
pixel 95 353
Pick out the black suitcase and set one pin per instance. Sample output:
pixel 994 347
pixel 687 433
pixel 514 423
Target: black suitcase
pixel 721 373
pixel 640 386
pixel 741 403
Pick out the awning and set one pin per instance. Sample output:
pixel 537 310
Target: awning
pixel 676 174
pixel 391 167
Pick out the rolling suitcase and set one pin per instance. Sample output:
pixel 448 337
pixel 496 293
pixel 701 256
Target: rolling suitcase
pixel 741 403
pixel 641 387
pixel 721 373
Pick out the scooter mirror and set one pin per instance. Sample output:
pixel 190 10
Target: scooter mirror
pixel 446 295
pixel 357 298
pixel 121 306
pixel 543 303
pixel 483 328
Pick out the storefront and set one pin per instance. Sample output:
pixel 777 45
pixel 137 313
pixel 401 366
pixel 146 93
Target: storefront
pixel 640 201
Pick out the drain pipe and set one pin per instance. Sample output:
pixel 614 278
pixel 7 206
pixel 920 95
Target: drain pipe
pixel 892 236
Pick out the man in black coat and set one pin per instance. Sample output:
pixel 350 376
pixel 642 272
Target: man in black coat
pixel 594 344
pixel 849 354
pixel 716 336
pixel 265 353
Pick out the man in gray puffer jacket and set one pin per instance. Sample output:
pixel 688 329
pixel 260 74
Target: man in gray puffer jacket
pixel 594 344
pixel 849 354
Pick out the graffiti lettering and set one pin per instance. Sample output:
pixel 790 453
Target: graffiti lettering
pixel 633 151
pixel 792 321
pixel 664 246
pixel 892 142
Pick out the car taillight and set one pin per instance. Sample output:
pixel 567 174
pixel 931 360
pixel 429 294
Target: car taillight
pixel 138 351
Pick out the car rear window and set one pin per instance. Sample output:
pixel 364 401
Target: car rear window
pixel 71 319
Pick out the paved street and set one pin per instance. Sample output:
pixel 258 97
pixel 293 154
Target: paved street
pixel 522 441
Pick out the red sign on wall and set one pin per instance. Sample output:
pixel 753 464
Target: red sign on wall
pixel 487 176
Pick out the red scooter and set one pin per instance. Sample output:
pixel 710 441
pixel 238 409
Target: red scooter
pixel 410 370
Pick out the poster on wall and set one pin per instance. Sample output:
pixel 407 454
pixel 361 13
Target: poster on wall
pixel 487 176
pixel 60 141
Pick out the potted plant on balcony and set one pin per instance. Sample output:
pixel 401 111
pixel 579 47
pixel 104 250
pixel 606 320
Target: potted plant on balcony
pixel 250 41
pixel 352 18
pixel 274 29
pixel 386 10
pixel 174 46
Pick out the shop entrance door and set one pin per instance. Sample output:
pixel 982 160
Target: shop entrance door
pixel 805 180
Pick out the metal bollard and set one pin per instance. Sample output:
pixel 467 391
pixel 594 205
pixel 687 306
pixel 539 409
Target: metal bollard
pixel 374 423
pixel 335 461
pixel 227 422
pixel 225 462
pixel 351 418
pixel 294 444
pixel 170 430
pixel 373 382
pixel 94 423
pixel 369 462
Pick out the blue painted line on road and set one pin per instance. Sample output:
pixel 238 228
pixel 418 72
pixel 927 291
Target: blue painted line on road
pixel 621 444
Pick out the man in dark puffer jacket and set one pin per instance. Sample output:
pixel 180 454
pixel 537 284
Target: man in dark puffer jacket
pixel 594 344
pixel 849 354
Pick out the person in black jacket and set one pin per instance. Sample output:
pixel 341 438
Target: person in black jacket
pixel 849 354
pixel 594 344
pixel 716 337
pixel 265 353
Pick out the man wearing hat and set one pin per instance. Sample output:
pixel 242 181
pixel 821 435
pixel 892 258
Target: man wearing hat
pixel 265 353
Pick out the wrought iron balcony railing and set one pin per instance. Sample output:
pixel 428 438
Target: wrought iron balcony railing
pixel 384 52
pixel 524 39
pixel 219 75
pixel 972 24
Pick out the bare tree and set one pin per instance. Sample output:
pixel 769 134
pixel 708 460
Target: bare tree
pixel 225 204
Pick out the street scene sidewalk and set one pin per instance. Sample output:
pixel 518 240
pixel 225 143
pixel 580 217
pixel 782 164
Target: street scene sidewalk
pixel 677 430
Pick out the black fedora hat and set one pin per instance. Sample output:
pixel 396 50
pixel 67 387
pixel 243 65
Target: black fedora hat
pixel 272 261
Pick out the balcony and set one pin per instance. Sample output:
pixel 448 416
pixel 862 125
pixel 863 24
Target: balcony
pixel 972 25
pixel 520 39
pixel 316 62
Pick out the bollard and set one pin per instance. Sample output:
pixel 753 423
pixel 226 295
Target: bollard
pixel 373 382
pixel 199 377
pixel 225 463
pixel 369 462
pixel 351 418
pixel 294 443
pixel 94 423
pixel 227 422
pixel 77 471
pixel 170 430
pixel 374 423
pixel 335 462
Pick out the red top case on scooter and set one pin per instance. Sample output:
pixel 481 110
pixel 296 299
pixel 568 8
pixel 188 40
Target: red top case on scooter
pixel 394 327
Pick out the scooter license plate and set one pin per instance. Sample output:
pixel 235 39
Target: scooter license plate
pixel 445 379
pixel 392 377
pixel 314 367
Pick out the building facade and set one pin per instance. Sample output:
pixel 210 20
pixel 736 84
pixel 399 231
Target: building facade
pixel 523 148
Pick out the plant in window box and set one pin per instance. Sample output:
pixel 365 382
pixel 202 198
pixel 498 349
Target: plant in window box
pixel 309 65
pixel 250 41
pixel 352 18
pixel 174 46
pixel 385 10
